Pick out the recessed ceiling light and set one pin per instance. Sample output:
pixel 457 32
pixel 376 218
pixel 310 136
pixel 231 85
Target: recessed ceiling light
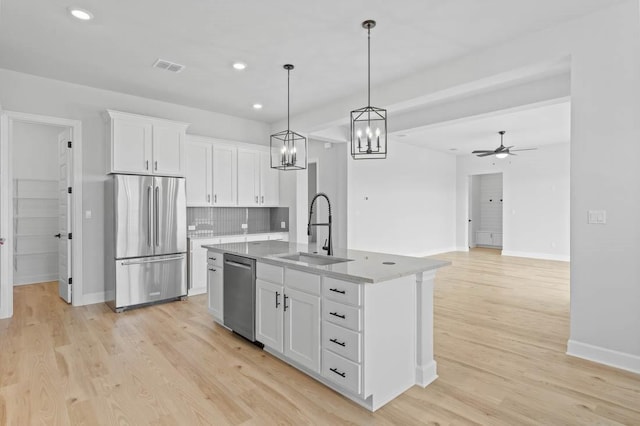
pixel 257 106
pixel 453 149
pixel 81 14
pixel 239 65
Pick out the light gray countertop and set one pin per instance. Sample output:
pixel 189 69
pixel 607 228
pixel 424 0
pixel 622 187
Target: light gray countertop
pixel 203 235
pixel 364 267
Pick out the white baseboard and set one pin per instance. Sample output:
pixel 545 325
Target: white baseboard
pixel 33 279
pixel 433 252
pixel 92 298
pixel 604 356
pixel 544 256
pixel 426 374
pixel 462 248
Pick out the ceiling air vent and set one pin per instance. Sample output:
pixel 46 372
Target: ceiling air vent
pixel 169 66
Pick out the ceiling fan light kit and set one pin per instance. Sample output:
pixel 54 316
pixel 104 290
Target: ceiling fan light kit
pixel 501 151
pixel 369 124
pixel 288 148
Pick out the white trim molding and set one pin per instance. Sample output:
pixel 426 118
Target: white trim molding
pixel 604 356
pixel 6 286
pixel 543 256
pixel 434 252
pixel 92 298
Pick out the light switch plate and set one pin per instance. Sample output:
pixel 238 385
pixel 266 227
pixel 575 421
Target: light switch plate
pixel 283 225
pixel 191 227
pixel 87 214
pixel 597 217
pixel 244 226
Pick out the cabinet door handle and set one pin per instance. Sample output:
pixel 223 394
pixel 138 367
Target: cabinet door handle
pixel 215 198
pixel 339 373
pixel 256 199
pixel 156 165
pixel 146 165
pixel 263 199
pixel 277 302
pixel 212 270
pixel 335 290
pixel 337 342
pixel 285 302
pixel 335 314
pixel 208 198
pixel 212 258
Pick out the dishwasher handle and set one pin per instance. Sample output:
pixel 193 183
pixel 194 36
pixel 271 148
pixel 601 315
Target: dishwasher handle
pixel 236 264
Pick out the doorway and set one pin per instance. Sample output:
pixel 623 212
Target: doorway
pixel 40 205
pixel 485 225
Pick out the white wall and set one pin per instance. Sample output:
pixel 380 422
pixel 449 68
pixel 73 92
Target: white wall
pixel 536 200
pixel 34 151
pixel 36 95
pixel 404 204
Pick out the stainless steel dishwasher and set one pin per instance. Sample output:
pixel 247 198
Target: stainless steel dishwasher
pixel 240 295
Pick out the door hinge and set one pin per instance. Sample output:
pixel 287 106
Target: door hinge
pixel 68 144
pixel 69 190
pixel 70 280
pixel 69 235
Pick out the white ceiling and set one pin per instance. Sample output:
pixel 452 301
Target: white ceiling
pixel 526 128
pixel 323 39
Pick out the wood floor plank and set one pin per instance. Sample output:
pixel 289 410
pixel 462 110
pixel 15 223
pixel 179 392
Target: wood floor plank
pixel 501 327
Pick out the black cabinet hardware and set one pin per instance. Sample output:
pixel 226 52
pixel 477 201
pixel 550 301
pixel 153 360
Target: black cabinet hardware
pixel 337 342
pixel 58 235
pixel 212 258
pixel 335 370
pixel 285 302
pixel 212 270
pixel 335 290
pixel 335 314
pixel 277 303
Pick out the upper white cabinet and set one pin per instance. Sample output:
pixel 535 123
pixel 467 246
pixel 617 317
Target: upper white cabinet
pixel 225 175
pixel 220 173
pixel 248 177
pixel 145 145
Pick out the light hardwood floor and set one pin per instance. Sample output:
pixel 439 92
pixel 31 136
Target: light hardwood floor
pixel 501 326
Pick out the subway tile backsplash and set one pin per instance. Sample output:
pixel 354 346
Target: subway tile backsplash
pixel 212 221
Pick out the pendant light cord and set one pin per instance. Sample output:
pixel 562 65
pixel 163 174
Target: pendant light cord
pixel 369 66
pixel 288 98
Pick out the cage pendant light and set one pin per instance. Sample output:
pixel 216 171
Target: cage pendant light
pixel 369 124
pixel 288 148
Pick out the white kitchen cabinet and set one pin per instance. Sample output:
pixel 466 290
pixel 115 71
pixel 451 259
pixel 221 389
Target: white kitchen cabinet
pixel 269 182
pixel 248 177
pixel 302 328
pixel 489 239
pixel 199 173
pixel 215 291
pixel 145 145
pixel 269 314
pixel 225 175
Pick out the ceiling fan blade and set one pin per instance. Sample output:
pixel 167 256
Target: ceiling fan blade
pixel 509 147
pixel 525 149
pixel 486 154
pixel 482 152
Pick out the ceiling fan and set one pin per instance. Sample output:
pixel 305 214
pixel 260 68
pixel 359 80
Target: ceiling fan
pixel 501 151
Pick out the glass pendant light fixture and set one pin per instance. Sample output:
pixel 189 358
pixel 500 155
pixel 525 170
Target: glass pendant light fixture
pixel 369 124
pixel 288 148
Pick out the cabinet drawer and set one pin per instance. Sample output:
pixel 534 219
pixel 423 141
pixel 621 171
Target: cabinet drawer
pixel 271 273
pixel 344 315
pixel 342 291
pixel 341 371
pixel 214 258
pixel 303 281
pixel 341 341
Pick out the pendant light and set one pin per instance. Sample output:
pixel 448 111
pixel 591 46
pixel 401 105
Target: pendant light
pixel 288 148
pixel 369 124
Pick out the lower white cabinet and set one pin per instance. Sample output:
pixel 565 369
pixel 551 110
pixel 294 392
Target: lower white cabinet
pixel 215 290
pixel 287 320
pixel 487 238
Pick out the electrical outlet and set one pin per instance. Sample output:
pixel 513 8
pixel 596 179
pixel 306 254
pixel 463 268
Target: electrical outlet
pixel 191 227
pixel 283 225
pixel 597 217
pixel 245 226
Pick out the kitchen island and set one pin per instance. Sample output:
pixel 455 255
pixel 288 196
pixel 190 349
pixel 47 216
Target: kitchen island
pixel 362 325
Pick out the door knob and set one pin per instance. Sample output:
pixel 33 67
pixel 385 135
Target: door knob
pixel 58 235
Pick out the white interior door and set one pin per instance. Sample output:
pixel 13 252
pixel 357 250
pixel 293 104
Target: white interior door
pixel 64 215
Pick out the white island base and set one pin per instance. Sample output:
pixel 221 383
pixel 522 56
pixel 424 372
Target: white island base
pixel 397 333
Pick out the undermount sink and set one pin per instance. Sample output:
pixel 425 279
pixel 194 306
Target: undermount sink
pixel 314 259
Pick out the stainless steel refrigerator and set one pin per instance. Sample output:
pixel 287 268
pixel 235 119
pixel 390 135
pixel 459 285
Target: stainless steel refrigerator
pixel 146 233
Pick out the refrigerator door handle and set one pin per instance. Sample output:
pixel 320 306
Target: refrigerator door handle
pixel 149 217
pixel 164 259
pixel 157 218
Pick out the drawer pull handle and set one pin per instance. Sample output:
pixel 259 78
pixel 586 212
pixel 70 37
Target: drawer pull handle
pixel 337 342
pixel 212 270
pixel 277 302
pixel 338 291
pixel 212 258
pixel 335 314
pixel 285 302
pixel 335 370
